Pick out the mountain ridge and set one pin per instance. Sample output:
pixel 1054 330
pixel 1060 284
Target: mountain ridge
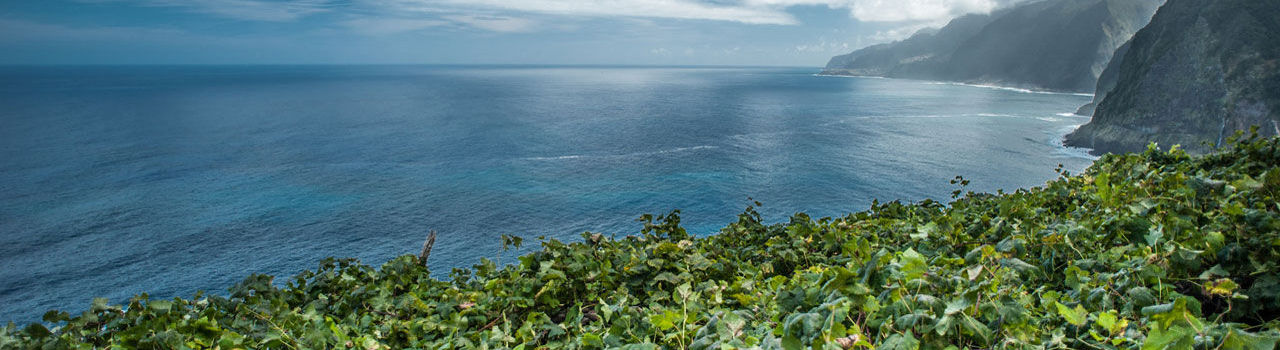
pixel 1199 72
pixel 1025 46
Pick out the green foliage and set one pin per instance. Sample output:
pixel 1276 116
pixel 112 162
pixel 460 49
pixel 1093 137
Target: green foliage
pixel 1157 250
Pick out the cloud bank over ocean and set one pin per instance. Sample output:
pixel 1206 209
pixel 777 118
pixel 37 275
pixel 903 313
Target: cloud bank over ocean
pixel 720 32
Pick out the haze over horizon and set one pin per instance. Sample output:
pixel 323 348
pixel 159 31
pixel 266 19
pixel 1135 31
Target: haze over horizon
pixel 621 32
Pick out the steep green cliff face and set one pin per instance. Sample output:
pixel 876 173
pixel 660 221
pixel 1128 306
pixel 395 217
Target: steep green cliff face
pixel 1061 45
pixel 1107 81
pixel 1200 71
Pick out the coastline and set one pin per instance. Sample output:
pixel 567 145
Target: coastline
pixel 1059 138
pixel 1060 142
pixel 993 85
pixel 632 150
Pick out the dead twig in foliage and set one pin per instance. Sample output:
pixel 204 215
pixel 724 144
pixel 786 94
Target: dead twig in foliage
pixel 426 248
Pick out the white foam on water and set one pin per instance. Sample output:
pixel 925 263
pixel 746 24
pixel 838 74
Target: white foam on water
pixel 674 150
pixel 625 155
pixel 555 158
pixel 848 76
pixel 994 87
pixel 931 116
pixel 1061 148
pixel 1007 88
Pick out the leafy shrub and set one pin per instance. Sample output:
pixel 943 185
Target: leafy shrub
pixel 1157 250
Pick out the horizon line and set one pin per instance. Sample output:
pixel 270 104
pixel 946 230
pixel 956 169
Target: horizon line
pixel 508 65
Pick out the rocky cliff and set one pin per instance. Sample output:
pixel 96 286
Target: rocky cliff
pixel 1200 71
pixel 1107 81
pixel 1061 45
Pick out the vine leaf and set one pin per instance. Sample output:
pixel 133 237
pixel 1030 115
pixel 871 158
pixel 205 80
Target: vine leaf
pixel 1076 317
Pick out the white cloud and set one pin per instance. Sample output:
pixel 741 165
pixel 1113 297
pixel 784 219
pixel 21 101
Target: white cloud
pixel 375 26
pixel 917 10
pixel 13 30
pixel 249 10
pixel 896 10
pixel 899 33
pixel 494 23
pixel 824 46
pixel 383 26
pixel 908 17
pixel 394 16
pixel 672 9
pixel 742 11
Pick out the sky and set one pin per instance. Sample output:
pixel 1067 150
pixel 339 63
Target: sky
pixel 799 33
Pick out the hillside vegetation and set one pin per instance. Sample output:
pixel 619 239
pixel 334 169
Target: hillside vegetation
pixel 1157 250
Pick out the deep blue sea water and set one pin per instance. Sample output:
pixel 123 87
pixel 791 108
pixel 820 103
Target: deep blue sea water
pixel 121 180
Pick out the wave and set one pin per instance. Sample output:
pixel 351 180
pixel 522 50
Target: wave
pixel 1062 150
pixel 849 76
pixel 624 155
pixel 903 116
pixel 994 87
pixel 554 158
pixel 674 150
pixel 1064 117
pixel 984 115
pixel 1007 88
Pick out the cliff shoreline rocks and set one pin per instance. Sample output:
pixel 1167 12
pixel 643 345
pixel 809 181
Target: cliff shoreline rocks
pixel 1200 72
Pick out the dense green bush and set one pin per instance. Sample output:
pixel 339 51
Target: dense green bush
pixel 1157 250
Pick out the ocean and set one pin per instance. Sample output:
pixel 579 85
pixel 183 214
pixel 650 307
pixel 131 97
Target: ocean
pixel 116 181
